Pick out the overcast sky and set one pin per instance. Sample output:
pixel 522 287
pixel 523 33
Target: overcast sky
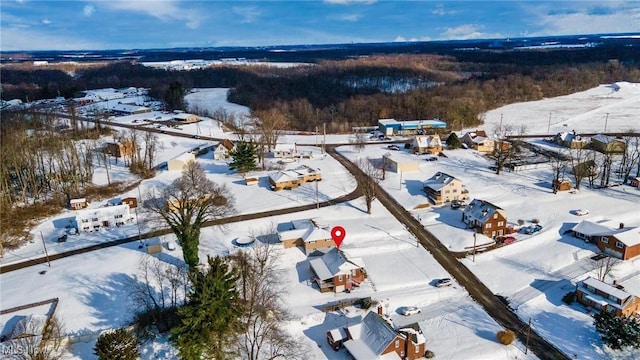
pixel 140 24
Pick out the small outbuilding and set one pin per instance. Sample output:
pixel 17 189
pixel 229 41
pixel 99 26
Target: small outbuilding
pixel 561 185
pixel 77 204
pixel 180 162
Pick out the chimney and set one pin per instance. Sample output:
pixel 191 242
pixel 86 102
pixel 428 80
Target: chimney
pixel 379 309
pixel 621 226
pixel 410 346
pixel 615 282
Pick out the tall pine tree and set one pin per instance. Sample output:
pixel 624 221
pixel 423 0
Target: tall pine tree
pixel 453 142
pixel 210 318
pixel 244 157
pixel 618 332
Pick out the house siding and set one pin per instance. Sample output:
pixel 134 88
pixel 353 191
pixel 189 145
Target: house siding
pixel 610 247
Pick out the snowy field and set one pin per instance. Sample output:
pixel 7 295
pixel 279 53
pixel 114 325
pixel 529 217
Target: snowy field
pixel 533 273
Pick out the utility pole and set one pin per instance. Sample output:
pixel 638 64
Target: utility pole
pixel 324 132
pixel 605 122
pixel 316 136
pixel 46 253
pixel 317 199
pixel 526 346
pixel 138 219
pixel 473 258
pixel 549 126
pixel 500 124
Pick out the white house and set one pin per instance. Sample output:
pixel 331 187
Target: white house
pixel 180 162
pixel 89 220
pixel 285 151
pixel 223 149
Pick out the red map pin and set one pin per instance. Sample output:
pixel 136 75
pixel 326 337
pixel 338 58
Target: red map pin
pixel 337 234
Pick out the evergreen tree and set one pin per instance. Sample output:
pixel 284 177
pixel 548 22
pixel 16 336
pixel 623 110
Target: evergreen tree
pixel 210 317
pixel 453 142
pixel 119 344
pixel 244 157
pixel 618 332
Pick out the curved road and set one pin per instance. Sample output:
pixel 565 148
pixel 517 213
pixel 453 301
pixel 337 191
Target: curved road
pixel 478 291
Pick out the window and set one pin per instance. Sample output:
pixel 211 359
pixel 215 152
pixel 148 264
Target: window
pixel 397 343
pixel 94 219
pixel 613 298
pixel 339 277
pixel 85 220
pixel 118 216
pixel 619 245
pixel 500 223
pixel 417 349
pixel 488 226
pixel 604 239
pixel 447 191
pixel 455 190
pixel 495 216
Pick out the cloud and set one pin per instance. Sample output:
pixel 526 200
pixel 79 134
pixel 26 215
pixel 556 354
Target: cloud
pixel 467 32
pixel 614 17
pixel 440 11
pixel 350 2
pixel 413 39
pixel 46 21
pixel 350 17
pixel 88 10
pixel 248 14
pixel 19 38
pixel 165 10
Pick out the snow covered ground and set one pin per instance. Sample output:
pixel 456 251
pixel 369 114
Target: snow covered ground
pixel 533 273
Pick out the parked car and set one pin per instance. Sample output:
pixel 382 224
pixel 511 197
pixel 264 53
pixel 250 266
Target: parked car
pixel 444 282
pixel 62 238
pixel 581 212
pixel 410 310
pixel 432 158
pixel 393 147
pixel 456 204
pixel 508 240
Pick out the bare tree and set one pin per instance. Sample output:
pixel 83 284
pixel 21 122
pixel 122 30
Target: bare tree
pixel 559 164
pixel 368 181
pixel 605 265
pixel 272 124
pixel 581 166
pixel 503 150
pixel 631 156
pixel 359 141
pixel 187 204
pixel 41 340
pixel 605 165
pixel 261 290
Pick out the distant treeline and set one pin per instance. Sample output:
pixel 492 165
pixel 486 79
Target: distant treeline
pixel 354 92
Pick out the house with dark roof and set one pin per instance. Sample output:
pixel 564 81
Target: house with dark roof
pixel 620 242
pixel 375 337
pixel 597 294
pixel 335 272
pixel 570 140
pixel 442 188
pixel 485 218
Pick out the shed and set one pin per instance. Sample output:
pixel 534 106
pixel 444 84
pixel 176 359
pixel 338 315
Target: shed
pixel 398 166
pixel 251 180
pixel 154 246
pixel 77 204
pixel 179 163
pixel 561 185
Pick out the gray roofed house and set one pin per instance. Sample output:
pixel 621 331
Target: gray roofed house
pixel 442 187
pixel 335 272
pixel 486 218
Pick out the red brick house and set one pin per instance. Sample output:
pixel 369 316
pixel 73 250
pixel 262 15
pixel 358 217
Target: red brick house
pixel 635 182
pixel 376 338
pixel 594 293
pixel 485 218
pixel 620 242
pixel 334 272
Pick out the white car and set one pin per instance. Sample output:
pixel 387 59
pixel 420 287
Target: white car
pixel 444 282
pixel 410 310
pixel 581 212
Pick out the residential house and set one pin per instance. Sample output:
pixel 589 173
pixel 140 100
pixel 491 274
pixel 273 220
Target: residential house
pixel 179 163
pixel 570 140
pixel 121 149
pixel 89 220
pixel 594 293
pixel 427 144
pixel 561 185
pixel 478 140
pixel 334 272
pixel 585 168
pixel 223 149
pixel 442 188
pixel 292 178
pixel 131 201
pixel 485 217
pixel 77 204
pixel 620 242
pixel 398 165
pixel 608 144
pixel 376 338
pixel 309 234
pixel 635 182
pixel 285 151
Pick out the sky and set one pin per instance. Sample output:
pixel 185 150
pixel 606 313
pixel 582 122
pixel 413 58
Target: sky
pixel 147 24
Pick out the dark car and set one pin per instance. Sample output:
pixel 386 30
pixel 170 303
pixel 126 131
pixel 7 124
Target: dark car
pixel 62 238
pixel 432 158
pixel 393 147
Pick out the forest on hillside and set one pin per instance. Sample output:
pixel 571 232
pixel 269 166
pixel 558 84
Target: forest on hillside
pixel 350 92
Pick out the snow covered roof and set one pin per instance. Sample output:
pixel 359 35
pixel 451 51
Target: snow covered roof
pixel 438 181
pixel 606 288
pixel 102 211
pixel 478 139
pixel 78 201
pixel 305 229
pixel 285 147
pixel 480 210
pixel 338 334
pixel 590 228
pixel 284 176
pixel 185 157
pixel 334 263
pixel 370 338
pixel 128 108
pixel 629 237
pixel 428 140
pixel 605 139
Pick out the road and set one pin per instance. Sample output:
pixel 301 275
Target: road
pixel 478 291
